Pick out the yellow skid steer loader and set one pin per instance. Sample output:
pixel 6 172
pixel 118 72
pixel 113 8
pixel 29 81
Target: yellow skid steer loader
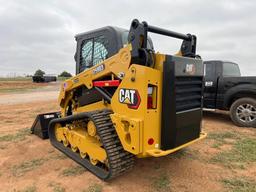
pixel 126 100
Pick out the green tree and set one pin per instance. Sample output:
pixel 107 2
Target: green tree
pixel 65 74
pixel 39 72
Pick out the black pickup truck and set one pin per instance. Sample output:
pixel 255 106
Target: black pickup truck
pixel 226 89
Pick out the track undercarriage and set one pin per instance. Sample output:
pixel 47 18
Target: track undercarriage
pixel 90 139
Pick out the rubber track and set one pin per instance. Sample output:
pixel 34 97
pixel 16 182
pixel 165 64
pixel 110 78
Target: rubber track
pixel 119 160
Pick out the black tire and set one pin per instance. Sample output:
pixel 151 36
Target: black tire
pixel 243 112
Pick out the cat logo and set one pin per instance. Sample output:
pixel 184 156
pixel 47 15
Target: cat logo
pixel 190 69
pixel 130 97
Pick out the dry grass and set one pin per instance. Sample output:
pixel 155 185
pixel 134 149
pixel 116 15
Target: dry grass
pixel 24 167
pixel 242 153
pixel 19 86
pixel 240 184
pixel 94 188
pixel 161 183
pixel 56 187
pixel 73 171
pixel 29 189
pixel 15 79
pixel 19 136
pixel 222 138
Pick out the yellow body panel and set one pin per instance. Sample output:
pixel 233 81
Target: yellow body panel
pixel 150 119
pixel 129 131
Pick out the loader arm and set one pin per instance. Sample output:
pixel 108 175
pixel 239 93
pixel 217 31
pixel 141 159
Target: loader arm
pixel 138 36
pixel 116 65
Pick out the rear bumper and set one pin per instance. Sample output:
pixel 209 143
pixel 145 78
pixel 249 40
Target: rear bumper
pixel 159 152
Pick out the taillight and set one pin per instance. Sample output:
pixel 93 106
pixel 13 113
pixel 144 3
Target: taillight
pixel 150 102
pixel 152 96
pixel 151 141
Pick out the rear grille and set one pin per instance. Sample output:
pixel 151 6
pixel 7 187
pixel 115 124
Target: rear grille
pixel 188 93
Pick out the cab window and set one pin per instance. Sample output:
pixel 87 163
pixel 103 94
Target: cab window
pixel 100 52
pixel 93 51
pixel 230 70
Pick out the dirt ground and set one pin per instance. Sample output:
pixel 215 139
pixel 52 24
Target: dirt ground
pixel 15 92
pixel 224 161
pixel 15 86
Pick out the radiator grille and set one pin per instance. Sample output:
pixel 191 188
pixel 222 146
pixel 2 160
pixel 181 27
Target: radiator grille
pixel 188 93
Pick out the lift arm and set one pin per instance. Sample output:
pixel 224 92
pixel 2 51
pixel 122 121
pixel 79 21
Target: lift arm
pixel 138 36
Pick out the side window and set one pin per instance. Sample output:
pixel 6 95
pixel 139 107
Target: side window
pixel 100 52
pixel 86 54
pixel 230 70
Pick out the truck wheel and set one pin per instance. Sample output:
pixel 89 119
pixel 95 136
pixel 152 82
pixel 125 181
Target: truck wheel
pixel 243 112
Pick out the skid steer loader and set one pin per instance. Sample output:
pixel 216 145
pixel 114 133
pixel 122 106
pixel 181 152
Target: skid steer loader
pixel 126 100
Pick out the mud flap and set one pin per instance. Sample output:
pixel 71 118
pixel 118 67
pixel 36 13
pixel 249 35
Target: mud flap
pixel 40 125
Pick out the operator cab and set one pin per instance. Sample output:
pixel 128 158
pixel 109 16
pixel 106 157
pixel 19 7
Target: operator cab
pixel 95 46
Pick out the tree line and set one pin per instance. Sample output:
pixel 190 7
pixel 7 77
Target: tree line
pixel 41 73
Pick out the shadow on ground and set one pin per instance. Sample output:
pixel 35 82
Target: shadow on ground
pixel 220 116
